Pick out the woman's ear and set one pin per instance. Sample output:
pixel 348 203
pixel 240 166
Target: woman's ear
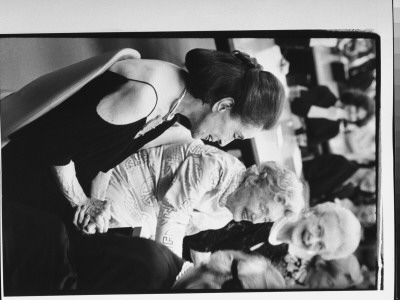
pixel 223 104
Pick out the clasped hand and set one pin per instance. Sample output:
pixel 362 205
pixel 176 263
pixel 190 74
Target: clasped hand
pixel 94 216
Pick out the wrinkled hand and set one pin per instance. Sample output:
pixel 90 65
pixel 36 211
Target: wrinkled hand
pixel 94 216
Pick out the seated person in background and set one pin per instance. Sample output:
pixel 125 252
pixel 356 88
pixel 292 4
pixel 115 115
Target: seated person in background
pixel 361 143
pixel 361 56
pixel 119 264
pixel 366 213
pixel 328 230
pixel 332 176
pixel 341 273
pixel 324 113
pixel 181 189
pixel 354 49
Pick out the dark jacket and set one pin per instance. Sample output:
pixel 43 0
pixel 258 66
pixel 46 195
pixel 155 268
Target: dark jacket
pixel 318 130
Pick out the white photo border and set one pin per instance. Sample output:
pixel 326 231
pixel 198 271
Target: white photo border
pixel 74 16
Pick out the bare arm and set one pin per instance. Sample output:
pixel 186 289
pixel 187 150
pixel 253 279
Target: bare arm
pixel 94 210
pixel 155 85
pixel 72 190
pixel 99 185
pixel 69 185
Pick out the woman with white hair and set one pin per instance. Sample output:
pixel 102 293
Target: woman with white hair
pixel 181 189
pixel 327 229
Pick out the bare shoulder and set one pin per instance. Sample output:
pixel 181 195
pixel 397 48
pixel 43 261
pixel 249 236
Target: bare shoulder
pixel 166 78
pixel 152 87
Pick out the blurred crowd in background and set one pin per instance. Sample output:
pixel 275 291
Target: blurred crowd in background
pixel 339 154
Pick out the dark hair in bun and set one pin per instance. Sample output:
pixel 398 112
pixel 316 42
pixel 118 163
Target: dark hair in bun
pixel 248 61
pixel 214 75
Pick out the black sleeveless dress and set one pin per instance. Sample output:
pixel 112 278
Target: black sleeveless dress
pixel 71 131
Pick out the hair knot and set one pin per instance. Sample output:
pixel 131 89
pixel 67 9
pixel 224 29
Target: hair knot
pixel 249 62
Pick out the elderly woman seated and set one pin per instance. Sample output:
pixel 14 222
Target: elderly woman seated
pixel 328 230
pixel 181 189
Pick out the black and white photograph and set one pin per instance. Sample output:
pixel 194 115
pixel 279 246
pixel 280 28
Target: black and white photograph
pixel 210 160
